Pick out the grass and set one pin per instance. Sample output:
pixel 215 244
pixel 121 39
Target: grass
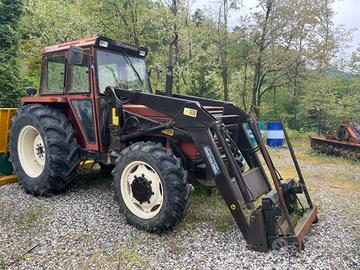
pixel 3 262
pixel 30 216
pixel 121 257
pixel 329 169
pixel 208 206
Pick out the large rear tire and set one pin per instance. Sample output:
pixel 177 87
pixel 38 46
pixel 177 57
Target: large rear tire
pixel 151 187
pixel 43 149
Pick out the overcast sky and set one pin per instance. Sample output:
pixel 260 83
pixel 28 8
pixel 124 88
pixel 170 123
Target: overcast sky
pixel 347 14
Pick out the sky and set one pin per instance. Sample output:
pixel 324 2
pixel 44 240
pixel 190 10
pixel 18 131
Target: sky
pixel 346 14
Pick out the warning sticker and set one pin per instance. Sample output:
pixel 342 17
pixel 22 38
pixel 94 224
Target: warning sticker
pixel 168 131
pixel 190 112
pixel 214 166
pixel 115 118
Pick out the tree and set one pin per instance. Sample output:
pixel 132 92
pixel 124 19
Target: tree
pixel 174 49
pixel 57 21
pixel 355 62
pixel 280 58
pixel 10 85
pixel 224 6
pixel 200 59
pixel 288 37
pixel 273 36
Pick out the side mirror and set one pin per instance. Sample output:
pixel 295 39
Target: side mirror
pixel 158 71
pixel 31 91
pixel 76 55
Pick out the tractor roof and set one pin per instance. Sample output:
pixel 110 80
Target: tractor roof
pixel 65 46
pixel 98 41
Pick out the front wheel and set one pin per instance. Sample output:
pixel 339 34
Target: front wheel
pixel 151 187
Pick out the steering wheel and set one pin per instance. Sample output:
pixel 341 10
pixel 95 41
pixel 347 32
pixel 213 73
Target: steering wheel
pixel 111 89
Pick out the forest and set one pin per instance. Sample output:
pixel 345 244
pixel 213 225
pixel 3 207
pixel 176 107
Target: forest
pixel 284 57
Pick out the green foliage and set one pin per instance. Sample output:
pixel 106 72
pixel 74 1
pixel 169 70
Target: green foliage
pixel 200 65
pixel 276 62
pixel 57 21
pixel 10 85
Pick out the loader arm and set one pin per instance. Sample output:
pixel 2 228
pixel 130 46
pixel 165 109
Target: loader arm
pixel 267 223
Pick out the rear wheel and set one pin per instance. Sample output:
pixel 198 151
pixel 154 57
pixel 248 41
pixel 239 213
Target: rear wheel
pixel 31 150
pixel 151 187
pixel 342 134
pixel 43 149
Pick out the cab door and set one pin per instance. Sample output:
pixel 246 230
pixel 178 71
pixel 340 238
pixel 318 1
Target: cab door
pixel 81 100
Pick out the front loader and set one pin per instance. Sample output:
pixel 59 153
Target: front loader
pixel 96 103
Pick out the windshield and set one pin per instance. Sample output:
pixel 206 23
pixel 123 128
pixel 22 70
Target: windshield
pixel 127 72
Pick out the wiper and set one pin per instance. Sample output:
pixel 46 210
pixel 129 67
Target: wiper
pixel 128 60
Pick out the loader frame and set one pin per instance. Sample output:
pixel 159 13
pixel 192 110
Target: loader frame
pixel 188 117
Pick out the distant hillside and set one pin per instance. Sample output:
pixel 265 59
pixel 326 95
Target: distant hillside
pixel 336 72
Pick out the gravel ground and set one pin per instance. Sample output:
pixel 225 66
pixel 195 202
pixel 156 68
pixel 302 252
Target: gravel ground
pixel 82 229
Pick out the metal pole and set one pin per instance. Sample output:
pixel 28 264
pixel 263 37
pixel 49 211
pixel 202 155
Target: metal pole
pixel 319 121
pixel 297 167
pixel 273 174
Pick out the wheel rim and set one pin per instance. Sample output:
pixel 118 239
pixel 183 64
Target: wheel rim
pixel 31 151
pixel 141 189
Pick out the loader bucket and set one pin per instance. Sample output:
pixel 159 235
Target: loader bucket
pixel 282 220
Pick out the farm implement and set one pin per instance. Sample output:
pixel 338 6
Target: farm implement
pixel 344 142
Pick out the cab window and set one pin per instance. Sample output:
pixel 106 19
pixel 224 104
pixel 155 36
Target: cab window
pixel 52 74
pixel 79 77
pixel 120 70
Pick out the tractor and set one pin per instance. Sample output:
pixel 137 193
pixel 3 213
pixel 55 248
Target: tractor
pixel 95 103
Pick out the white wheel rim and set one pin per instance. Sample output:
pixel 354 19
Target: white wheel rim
pixel 31 151
pixel 133 173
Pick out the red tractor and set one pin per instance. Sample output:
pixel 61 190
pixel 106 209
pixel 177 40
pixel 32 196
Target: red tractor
pixel 95 102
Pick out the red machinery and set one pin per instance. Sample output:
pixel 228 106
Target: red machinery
pixel 345 141
pixel 95 102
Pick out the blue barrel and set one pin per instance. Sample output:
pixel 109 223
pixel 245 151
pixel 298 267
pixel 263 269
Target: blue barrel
pixel 275 134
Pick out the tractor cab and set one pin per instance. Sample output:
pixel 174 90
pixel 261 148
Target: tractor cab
pixel 78 73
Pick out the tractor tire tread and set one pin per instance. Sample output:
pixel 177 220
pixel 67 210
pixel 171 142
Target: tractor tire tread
pixel 60 140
